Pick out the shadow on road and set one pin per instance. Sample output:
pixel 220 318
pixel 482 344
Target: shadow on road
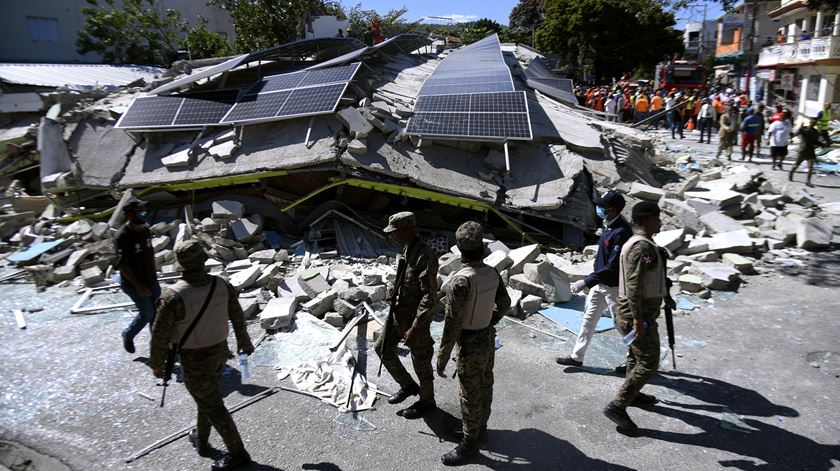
pixel 523 449
pixel 773 448
pixel 824 269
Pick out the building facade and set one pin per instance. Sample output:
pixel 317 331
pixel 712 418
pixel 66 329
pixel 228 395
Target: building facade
pixel 699 38
pixel 742 31
pixel 46 30
pixel 803 64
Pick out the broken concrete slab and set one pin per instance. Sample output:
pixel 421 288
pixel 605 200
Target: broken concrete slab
pixel 521 256
pixel 499 260
pixel 522 283
pixel 718 198
pixel 263 256
pixel 249 307
pixel 223 150
pixel 375 293
pixel 344 308
pixel 530 304
pixel 77 257
pixel 355 122
pixel 209 225
pixel 321 304
pixel 178 159
pixel 718 276
pixel 313 283
pixel 246 228
pixel 372 279
pixel 738 262
pixel 690 283
pixel 813 233
pixel 226 209
pixel 334 319
pixel 160 242
pixel 734 242
pixel 646 192
pixel 555 283
pixel 671 240
pixel 245 278
pixel 717 223
pixel 357 147
pixel 449 263
pixel 268 274
pixel 515 298
pixel 63 273
pixel 798 196
pixel 770 201
pixel 278 313
pixel 92 275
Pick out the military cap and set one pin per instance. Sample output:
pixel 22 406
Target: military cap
pixel 612 199
pixel 645 209
pixel 134 204
pixel 190 255
pixel 400 220
pixel 469 236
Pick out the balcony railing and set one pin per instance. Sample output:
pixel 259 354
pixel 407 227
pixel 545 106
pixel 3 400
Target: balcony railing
pixel 800 52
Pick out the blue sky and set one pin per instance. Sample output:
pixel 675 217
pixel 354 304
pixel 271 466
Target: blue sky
pixel 498 10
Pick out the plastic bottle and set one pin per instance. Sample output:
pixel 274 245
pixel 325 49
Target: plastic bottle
pixel 244 369
pixel 498 343
pixel 631 336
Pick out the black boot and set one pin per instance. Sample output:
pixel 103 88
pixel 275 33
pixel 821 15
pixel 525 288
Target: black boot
pixel 418 409
pixel 232 461
pixel 463 452
pixel 620 418
pixel 404 393
pixel 128 344
pixel 201 446
pixel 644 400
pixel 482 435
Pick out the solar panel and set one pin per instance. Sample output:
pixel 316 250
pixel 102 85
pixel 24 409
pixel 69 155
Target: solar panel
pixel 257 107
pixel 313 100
pixel 342 73
pixel 512 102
pixel 205 108
pixel 277 82
pixel 152 111
pixel 495 126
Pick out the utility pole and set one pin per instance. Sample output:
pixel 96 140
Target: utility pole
pixel 702 34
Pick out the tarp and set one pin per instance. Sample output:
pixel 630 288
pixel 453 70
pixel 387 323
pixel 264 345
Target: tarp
pixel 570 315
pixel 34 251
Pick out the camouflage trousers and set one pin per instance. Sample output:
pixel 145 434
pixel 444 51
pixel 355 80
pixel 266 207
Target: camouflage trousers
pixel 475 374
pixel 725 145
pixel 202 368
pixel 643 357
pixel 421 357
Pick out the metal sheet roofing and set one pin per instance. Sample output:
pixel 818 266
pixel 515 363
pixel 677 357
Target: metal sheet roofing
pixel 76 75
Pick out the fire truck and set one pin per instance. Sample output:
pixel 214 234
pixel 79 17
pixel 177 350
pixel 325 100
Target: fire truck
pixel 680 74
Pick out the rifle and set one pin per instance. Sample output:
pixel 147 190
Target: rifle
pixel 387 330
pixel 167 370
pixel 669 324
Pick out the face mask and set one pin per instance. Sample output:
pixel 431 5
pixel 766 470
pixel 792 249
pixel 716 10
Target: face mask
pixel 601 212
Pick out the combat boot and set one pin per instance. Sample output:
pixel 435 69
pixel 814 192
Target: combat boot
pixel 404 393
pixel 482 435
pixel 464 451
pixel 619 416
pixel 643 399
pixel 418 409
pixel 232 461
pixel 201 446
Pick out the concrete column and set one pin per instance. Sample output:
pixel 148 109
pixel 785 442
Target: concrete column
pixel 804 25
pixel 791 33
pixel 836 31
pixel 803 94
pixel 819 25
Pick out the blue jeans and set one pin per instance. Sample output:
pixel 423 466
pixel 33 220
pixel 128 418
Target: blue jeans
pixel 145 307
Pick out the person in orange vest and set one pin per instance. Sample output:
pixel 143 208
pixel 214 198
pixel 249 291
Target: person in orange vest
pixel 656 104
pixel 642 106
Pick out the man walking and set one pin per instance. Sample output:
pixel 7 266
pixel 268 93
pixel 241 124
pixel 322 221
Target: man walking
pixel 726 133
pixel 824 124
pixel 707 117
pixel 778 135
pixel 138 275
pixel 477 299
pixel 750 132
pixel 642 287
pixel 416 296
pixel 204 352
pixel 603 282
pixel 808 139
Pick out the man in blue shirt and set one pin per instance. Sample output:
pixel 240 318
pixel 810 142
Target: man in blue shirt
pixel 751 128
pixel 603 282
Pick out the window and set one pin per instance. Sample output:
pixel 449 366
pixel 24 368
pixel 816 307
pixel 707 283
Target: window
pixel 813 88
pixel 42 29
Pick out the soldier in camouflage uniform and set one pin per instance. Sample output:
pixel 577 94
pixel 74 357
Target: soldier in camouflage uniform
pixel 205 352
pixel 416 299
pixel 642 288
pixel 476 300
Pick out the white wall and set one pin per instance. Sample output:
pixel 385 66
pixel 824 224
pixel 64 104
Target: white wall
pixel 327 27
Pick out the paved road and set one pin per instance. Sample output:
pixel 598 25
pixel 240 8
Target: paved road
pixel 746 394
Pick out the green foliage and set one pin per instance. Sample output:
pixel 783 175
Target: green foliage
pixel 833 5
pixel 525 15
pixel 202 43
pixel 486 23
pixel 391 23
pixel 608 36
pixel 137 33
pixel 260 24
pixel 480 29
pixel 515 35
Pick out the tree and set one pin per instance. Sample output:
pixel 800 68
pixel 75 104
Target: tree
pixel 831 5
pixel 480 29
pixel 515 35
pixel 202 43
pixel 135 34
pixel 261 24
pixel 525 15
pixel 608 36
pixel 391 23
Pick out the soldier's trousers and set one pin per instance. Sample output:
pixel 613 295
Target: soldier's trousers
pixel 643 358
pixel 202 368
pixel 421 358
pixel 475 374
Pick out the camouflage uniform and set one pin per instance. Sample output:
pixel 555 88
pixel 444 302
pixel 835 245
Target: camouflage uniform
pixel 727 133
pixel 476 355
pixel 202 367
pixel 642 261
pixel 416 300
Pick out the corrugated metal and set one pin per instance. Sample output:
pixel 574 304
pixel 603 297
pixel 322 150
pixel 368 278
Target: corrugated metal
pixel 76 75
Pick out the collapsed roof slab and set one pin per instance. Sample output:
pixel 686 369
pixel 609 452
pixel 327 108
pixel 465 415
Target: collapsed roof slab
pixel 541 178
pixel 264 148
pixel 439 168
pixel 554 122
pixel 100 152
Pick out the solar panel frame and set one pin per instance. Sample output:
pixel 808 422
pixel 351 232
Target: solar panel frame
pixel 157 118
pixel 205 109
pixel 328 96
pixel 256 107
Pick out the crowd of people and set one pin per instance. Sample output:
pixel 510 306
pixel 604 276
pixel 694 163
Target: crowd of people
pixel 731 112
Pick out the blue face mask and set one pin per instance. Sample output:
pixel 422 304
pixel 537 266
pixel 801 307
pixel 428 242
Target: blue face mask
pixel 601 212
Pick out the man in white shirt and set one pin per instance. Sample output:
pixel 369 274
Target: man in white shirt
pixel 778 135
pixel 611 107
pixel 707 116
